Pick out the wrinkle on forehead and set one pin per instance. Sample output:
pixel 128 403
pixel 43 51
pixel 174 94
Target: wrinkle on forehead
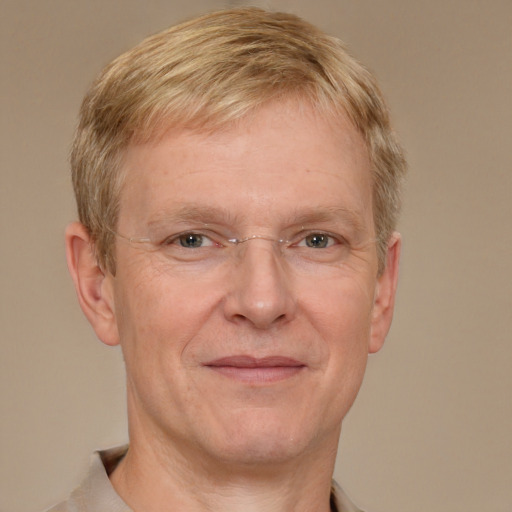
pixel 334 148
pixel 207 214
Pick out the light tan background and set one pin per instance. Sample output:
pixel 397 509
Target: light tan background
pixel 431 430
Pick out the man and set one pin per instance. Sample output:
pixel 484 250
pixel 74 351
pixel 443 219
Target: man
pixel 237 184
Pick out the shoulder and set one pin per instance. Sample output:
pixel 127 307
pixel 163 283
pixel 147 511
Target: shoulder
pixel 340 502
pixel 61 507
pixel 95 493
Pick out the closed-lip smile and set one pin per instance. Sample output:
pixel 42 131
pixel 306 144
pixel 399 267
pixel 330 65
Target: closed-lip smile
pixel 254 370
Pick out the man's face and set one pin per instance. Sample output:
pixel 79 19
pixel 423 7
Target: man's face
pixel 254 353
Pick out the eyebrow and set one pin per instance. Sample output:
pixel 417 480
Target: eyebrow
pixel 328 214
pixel 190 212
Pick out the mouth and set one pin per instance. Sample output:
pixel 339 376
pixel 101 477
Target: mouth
pixel 254 370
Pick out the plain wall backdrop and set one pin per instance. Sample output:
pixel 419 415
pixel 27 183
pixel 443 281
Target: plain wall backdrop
pixel 431 429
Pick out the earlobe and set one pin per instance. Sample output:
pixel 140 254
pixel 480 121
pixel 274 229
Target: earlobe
pixel 385 293
pixel 93 286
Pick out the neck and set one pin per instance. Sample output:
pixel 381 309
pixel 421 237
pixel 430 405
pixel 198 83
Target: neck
pixel 154 478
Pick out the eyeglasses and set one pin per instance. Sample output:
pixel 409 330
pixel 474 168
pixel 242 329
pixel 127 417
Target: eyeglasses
pixel 306 249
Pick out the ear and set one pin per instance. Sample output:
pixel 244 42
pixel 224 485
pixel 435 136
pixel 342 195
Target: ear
pixel 94 287
pixel 385 292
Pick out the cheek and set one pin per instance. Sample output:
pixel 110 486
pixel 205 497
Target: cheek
pixel 159 313
pixel 159 319
pixel 341 310
pixel 342 316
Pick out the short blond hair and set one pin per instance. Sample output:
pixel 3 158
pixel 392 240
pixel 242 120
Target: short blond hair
pixel 210 71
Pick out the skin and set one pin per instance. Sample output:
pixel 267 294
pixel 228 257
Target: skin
pixel 205 435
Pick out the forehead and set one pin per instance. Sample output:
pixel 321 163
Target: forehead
pixel 283 158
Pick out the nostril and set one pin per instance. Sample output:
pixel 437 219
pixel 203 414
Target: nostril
pixel 242 317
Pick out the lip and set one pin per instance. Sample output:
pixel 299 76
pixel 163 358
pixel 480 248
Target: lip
pixel 255 370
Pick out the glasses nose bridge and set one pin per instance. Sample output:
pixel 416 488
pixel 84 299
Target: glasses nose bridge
pixel 277 243
pixel 240 245
pixel 269 238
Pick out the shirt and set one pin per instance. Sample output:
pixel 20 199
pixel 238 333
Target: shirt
pixel 96 493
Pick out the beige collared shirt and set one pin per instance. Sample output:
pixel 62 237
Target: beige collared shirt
pixel 96 494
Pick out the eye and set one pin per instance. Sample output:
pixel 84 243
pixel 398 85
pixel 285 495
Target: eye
pixel 317 241
pixel 190 240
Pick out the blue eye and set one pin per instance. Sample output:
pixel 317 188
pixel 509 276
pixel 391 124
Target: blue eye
pixel 317 241
pixel 191 240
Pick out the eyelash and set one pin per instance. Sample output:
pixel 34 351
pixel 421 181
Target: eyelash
pixel 334 239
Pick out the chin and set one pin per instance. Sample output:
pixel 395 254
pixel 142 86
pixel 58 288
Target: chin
pixel 261 452
pixel 264 440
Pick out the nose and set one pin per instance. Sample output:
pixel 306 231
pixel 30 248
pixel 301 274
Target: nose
pixel 260 291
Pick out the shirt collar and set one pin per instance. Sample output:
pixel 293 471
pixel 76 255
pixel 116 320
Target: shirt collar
pixel 96 493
